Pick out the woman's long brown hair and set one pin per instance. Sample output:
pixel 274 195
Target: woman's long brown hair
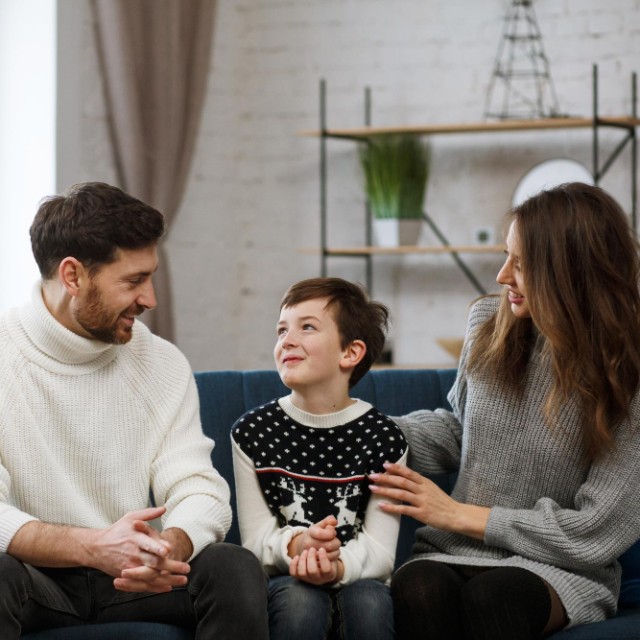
pixel 579 261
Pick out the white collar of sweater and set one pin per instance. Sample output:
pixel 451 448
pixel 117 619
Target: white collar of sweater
pixel 49 344
pixel 325 420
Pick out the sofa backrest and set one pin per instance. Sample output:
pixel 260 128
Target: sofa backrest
pixel 226 395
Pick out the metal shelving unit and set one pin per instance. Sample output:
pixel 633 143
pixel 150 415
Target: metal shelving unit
pixel 626 124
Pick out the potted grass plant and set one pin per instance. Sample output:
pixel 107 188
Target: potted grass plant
pixel 396 171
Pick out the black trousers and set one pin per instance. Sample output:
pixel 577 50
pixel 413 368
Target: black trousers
pixel 436 601
pixel 226 597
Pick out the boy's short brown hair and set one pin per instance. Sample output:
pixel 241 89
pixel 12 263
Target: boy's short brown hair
pixel 357 317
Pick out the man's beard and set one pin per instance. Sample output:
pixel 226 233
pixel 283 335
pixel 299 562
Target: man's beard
pixel 96 320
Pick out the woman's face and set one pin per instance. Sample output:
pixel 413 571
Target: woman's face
pixel 511 275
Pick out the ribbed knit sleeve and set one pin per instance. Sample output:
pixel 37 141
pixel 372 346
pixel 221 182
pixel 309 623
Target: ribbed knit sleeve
pixel 600 523
pixel 434 438
pixel 182 478
pixel 11 519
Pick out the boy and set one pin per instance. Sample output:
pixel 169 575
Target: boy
pixel 302 464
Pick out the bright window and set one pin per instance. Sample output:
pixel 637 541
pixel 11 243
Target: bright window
pixel 27 135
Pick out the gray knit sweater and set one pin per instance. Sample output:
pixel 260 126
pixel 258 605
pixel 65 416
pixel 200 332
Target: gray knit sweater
pixel 550 513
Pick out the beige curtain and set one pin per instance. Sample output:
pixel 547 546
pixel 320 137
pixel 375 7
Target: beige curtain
pixel 154 57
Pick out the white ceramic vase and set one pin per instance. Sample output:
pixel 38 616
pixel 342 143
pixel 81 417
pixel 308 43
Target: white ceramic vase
pixel 395 232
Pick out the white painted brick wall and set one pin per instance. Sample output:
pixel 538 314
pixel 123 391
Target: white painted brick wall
pixel 252 200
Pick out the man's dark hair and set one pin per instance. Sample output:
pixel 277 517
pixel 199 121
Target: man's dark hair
pixel 357 317
pixel 90 222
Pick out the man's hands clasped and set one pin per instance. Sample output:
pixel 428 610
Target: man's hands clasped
pixel 139 557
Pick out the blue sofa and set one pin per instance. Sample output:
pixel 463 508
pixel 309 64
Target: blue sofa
pixel 225 395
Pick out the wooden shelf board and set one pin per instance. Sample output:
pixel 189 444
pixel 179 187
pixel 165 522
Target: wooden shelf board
pixel 477 127
pixel 355 251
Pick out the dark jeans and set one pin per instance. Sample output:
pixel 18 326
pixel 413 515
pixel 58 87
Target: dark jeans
pixel 226 597
pixel 362 610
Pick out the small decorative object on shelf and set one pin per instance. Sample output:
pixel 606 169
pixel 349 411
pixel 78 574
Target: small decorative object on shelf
pixel 396 171
pixel 397 232
pixel 521 85
pixel 453 346
pixel 548 174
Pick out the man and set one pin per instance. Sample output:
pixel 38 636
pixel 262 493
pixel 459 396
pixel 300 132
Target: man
pixel 95 411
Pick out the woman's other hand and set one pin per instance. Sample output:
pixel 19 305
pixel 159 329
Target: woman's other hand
pixel 423 500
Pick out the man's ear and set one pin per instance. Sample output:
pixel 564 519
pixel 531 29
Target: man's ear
pixel 73 275
pixel 353 354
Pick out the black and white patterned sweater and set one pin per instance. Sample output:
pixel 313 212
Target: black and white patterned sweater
pixel 307 467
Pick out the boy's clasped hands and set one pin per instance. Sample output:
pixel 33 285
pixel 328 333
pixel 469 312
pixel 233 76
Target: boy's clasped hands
pixel 315 553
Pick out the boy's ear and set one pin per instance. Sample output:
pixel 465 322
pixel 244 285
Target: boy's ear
pixel 72 275
pixel 353 354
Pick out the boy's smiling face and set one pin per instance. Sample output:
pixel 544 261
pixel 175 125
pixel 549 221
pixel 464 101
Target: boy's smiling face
pixel 308 348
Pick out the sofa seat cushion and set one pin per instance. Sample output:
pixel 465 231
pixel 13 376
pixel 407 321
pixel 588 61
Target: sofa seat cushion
pixel 625 626
pixel 630 587
pixel 113 630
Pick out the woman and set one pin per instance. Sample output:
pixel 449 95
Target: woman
pixel 544 432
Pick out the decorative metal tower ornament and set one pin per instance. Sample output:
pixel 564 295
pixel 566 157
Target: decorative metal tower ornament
pixel 521 85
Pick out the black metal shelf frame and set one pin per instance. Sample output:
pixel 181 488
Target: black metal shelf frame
pixel 599 170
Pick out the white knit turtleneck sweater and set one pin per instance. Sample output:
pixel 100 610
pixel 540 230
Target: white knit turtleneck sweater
pixel 86 428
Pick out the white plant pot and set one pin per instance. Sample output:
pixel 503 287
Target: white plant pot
pixel 394 232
